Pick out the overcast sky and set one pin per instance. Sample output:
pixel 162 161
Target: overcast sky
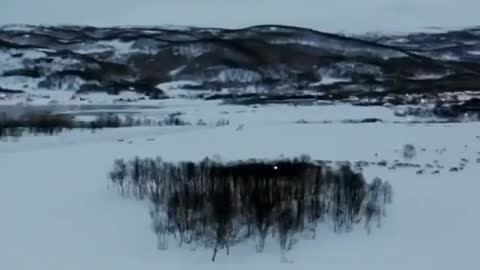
pixel 329 15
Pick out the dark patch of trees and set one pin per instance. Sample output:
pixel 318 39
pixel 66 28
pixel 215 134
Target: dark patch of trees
pixel 222 123
pixel 218 205
pixel 173 120
pixel 34 123
pixel 115 121
pixel 10 91
pixel 114 88
pixel 33 73
pixel 46 123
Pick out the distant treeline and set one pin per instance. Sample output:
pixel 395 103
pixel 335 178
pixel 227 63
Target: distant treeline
pixel 52 124
pixel 34 123
pixel 218 205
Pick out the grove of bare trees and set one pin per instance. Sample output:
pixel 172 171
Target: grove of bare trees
pixel 218 205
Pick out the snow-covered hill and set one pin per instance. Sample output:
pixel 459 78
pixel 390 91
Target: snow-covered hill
pixel 269 60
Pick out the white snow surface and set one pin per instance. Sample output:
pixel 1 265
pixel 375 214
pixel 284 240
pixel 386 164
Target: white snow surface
pixel 118 47
pixel 238 75
pixel 57 211
pixel 329 80
pixel 19 82
pixel 427 76
pixel 9 62
pixel 474 52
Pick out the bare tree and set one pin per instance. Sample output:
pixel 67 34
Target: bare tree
pixel 409 151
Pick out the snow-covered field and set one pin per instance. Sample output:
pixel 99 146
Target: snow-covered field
pixel 57 211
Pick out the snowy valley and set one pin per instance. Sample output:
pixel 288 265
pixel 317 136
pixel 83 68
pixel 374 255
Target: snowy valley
pixel 400 108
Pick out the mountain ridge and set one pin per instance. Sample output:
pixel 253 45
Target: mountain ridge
pixel 270 58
